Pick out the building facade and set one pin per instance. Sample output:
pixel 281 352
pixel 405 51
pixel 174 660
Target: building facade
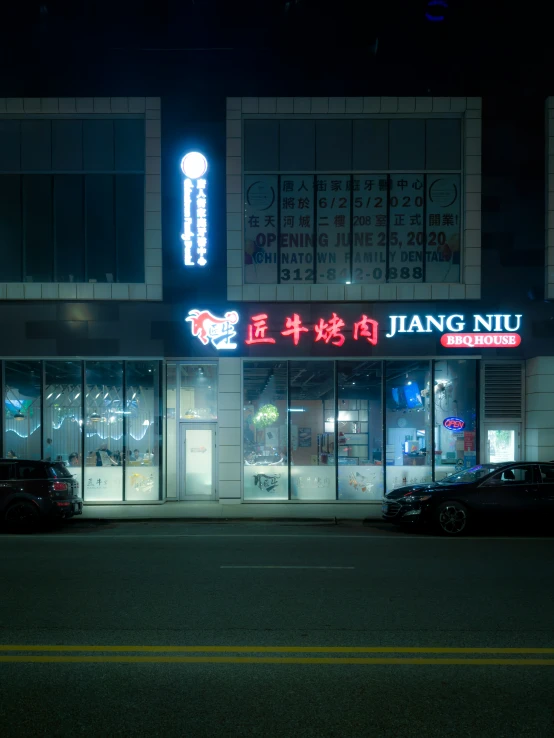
pixel 275 299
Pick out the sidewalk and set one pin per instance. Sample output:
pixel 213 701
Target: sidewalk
pixel 218 511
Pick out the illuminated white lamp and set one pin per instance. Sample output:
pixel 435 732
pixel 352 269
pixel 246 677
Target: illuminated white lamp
pixel 19 416
pixel 146 423
pixel 94 418
pixel 194 165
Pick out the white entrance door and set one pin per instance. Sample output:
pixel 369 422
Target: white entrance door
pixel 502 442
pixel 197 461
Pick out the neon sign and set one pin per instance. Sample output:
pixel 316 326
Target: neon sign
pixel 194 166
pixel 327 330
pixel 481 340
pixel 342 330
pixel 436 16
pixel 454 424
pixel 209 328
pixel 492 330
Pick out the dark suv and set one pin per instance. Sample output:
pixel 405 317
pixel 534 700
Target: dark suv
pixel 31 491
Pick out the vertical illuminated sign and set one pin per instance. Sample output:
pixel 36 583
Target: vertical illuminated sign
pixel 195 227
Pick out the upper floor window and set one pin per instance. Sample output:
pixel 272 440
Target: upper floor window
pixel 352 201
pixel 72 198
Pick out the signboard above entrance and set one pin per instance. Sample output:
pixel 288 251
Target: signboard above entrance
pixel 348 328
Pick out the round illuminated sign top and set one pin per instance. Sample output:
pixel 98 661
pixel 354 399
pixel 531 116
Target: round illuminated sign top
pixel 194 165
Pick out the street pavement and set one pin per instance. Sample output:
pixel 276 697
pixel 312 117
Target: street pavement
pixel 275 629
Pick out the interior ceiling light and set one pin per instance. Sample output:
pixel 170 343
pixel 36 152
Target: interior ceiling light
pixel 19 416
pixel 95 418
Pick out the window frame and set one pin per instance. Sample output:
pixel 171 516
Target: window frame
pixel 271 108
pixel 115 108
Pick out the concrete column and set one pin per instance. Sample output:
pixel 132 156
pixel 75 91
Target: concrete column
pixel 539 408
pixel 229 438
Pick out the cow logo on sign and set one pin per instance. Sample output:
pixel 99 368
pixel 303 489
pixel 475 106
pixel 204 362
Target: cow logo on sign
pixel 210 328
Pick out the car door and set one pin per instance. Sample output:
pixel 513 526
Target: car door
pixel 512 491
pixel 6 487
pixel 546 489
pixel 32 479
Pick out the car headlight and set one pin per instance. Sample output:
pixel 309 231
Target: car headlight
pixel 417 498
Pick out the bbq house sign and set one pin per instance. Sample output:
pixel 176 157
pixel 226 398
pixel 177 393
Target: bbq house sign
pixel 493 330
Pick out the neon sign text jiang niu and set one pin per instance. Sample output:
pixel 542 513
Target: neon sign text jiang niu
pixel 491 330
pixel 195 225
pixel 455 323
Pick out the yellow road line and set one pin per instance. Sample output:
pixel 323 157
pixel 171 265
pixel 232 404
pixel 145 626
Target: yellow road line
pixel 275 649
pixel 270 660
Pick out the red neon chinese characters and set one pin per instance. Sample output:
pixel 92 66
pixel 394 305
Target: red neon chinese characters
pixel 366 328
pixel 294 328
pixel 330 332
pixel 257 330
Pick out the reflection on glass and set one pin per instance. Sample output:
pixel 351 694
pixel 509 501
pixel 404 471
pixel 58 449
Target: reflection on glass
pixel 360 430
pixel 408 423
pixel 265 430
pixel 63 421
pixel 142 422
pixel 198 392
pixel 22 398
pixel 501 445
pixel 171 431
pixel 103 422
pixel 455 393
pixel 312 402
pixel 198 453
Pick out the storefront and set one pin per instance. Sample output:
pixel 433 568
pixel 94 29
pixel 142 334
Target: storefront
pixel 335 408
pixel 102 418
pixel 276 403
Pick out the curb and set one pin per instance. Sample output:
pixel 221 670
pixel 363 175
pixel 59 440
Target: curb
pixel 318 521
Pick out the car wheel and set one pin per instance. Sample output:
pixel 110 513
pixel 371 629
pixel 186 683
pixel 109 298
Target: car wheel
pixel 452 518
pixel 22 516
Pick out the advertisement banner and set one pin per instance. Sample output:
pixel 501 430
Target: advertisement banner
pixel 369 228
pixel 406 234
pixel 296 205
pixel 333 229
pixel 442 205
pixel 260 228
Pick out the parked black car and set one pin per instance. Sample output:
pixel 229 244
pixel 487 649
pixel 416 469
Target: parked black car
pixel 31 491
pixel 487 491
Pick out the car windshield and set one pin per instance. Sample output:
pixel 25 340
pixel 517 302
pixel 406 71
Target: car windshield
pixel 467 476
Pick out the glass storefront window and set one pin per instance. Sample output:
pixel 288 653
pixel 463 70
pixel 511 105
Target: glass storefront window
pixel 142 434
pixel 359 430
pixel 171 430
pixel 62 412
pixel 104 410
pixel 312 436
pixel 63 417
pixel 408 450
pixel 198 392
pixel 265 434
pixel 22 409
pixel 455 394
